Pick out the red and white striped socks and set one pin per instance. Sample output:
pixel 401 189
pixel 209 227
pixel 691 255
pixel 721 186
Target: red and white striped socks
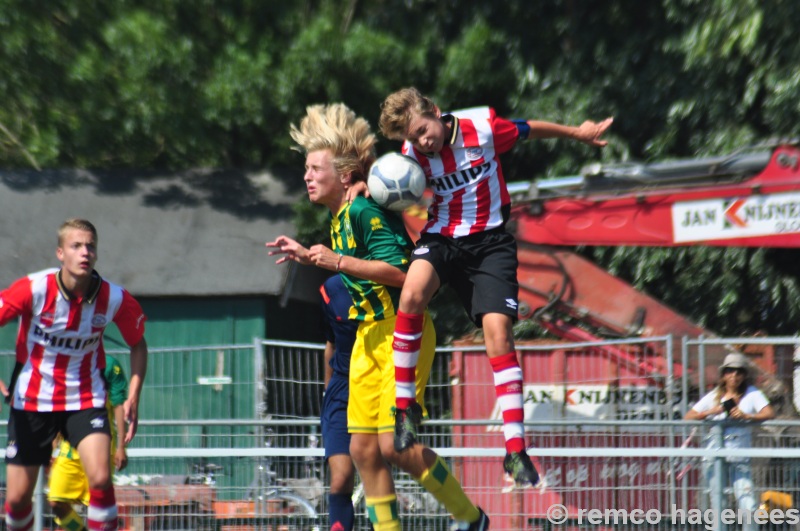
pixel 508 388
pixel 19 520
pixel 406 345
pixel 102 513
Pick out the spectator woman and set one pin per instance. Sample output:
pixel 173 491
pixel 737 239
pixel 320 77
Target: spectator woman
pixel 735 398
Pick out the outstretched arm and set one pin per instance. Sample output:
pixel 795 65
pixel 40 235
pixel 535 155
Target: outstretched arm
pixel 588 132
pixel 290 248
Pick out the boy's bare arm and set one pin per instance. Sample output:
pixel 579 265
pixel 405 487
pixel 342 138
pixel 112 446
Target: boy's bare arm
pixel 374 270
pixel 588 132
pixel 138 373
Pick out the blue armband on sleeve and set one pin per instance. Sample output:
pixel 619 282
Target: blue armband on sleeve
pixel 523 128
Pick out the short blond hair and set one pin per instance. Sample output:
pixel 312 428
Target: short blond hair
pixel 399 108
pixel 76 223
pixel 337 128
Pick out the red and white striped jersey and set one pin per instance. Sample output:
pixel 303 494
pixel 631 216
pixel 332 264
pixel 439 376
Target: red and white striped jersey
pixel 465 176
pixel 60 339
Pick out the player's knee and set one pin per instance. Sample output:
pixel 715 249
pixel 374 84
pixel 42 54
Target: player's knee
pixel 342 484
pixel 412 300
pixel 390 454
pixel 18 502
pixel 342 474
pixel 363 451
pixel 498 335
pixel 99 480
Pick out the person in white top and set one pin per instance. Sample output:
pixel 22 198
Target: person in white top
pixel 736 398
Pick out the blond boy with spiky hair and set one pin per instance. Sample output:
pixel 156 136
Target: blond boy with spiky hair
pixel 370 250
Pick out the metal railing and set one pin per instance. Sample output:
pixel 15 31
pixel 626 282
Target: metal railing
pixel 606 434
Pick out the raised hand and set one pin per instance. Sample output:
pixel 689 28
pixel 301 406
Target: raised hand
pixel 589 132
pixel 290 248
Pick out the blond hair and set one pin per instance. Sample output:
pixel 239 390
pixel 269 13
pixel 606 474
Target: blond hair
pixel 336 128
pixel 76 223
pixel 399 108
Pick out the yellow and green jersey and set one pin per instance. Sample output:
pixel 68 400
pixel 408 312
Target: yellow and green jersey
pixel 364 230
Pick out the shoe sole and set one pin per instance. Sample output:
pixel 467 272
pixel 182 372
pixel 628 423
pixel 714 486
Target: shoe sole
pixel 515 485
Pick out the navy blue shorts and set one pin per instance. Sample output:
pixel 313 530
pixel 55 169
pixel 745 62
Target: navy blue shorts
pixel 335 438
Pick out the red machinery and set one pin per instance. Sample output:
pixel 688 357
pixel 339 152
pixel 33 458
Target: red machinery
pixel 748 198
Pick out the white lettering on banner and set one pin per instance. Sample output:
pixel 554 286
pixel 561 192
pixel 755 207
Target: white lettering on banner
pixel 605 402
pixel 578 475
pixel 558 514
pixel 736 217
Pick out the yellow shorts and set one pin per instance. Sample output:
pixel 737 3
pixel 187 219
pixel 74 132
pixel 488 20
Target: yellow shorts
pixel 372 385
pixel 68 481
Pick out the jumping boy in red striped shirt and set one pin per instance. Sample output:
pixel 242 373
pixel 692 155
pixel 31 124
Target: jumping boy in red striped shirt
pixel 465 243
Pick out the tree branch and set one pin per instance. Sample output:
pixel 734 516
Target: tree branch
pixel 19 144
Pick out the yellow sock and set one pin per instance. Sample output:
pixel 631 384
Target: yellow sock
pixel 447 490
pixel 71 522
pixel 383 513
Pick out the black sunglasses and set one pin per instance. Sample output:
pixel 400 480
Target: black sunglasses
pixel 728 370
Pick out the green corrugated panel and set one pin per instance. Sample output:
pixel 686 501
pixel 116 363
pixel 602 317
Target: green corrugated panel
pixel 188 322
pixel 201 321
pixel 8 337
pixel 171 390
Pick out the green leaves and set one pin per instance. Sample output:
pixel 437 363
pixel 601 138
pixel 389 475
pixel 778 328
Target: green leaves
pixel 141 83
pixel 730 291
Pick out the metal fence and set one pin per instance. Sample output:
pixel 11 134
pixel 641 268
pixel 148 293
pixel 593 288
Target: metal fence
pixel 287 489
pixel 229 438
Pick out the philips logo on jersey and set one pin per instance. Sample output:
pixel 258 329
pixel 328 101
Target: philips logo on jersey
pixel 460 179
pixel 66 343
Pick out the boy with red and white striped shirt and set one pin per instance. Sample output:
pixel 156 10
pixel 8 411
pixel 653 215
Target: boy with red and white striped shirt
pixel 57 385
pixel 464 243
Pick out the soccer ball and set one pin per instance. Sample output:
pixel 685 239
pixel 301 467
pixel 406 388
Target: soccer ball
pixel 396 181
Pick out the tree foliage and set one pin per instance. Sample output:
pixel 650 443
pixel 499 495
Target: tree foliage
pixel 174 85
